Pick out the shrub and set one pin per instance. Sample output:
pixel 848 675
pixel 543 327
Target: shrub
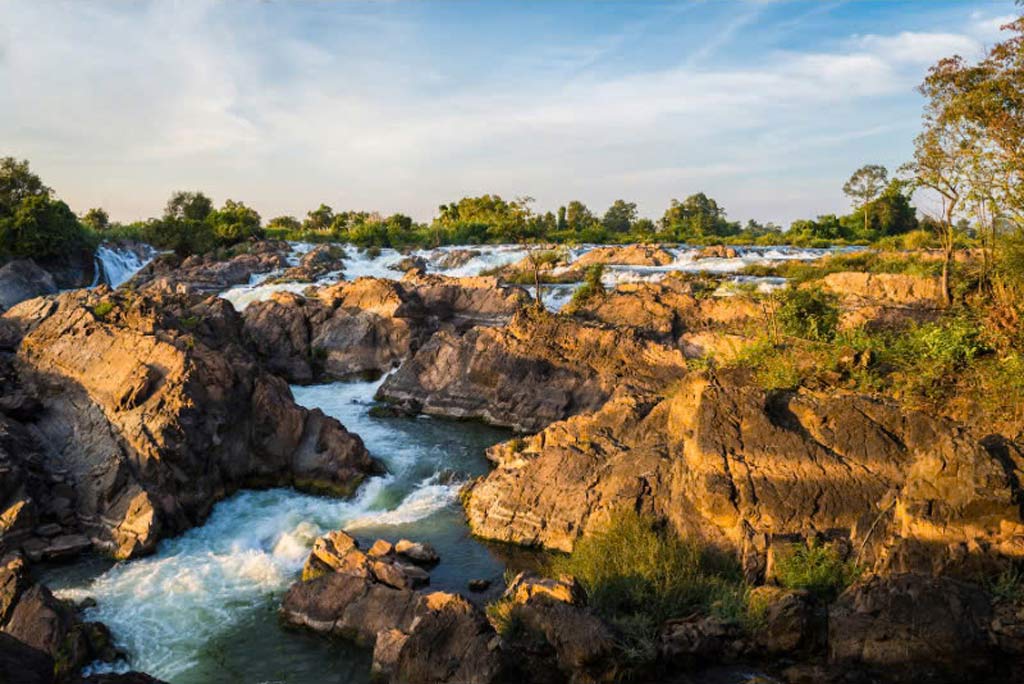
pixel 638 575
pixel 809 313
pixel 818 569
pixel 1009 584
pixel 102 309
pixel 591 287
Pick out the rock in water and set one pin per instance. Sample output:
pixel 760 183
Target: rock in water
pixel 153 411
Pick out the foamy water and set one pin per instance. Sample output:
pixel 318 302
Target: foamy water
pixel 226 576
pixel 115 265
pixel 360 263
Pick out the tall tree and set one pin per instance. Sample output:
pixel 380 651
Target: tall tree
pixel 17 182
pixel 97 218
pixel 620 216
pixel 864 186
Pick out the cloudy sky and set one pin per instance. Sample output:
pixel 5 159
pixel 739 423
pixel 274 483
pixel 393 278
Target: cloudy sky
pixel 398 106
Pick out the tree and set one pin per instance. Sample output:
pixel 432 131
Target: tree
pixel 578 217
pixel 620 216
pixel 41 227
pixel 696 216
pixel 17 183
pixel 234 222
pixel 188 206
pixel 285 223
pixel 561 223
pixel 864 186
pixel 97 219
pixel 320 219
pixel 942 163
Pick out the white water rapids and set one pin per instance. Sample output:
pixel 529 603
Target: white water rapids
pixel 116 264
pixel 359 263
pixel 226 577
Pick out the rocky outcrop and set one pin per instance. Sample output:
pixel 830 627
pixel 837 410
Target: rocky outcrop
pixel 21 280
pixel 315 264
pixel 212 273
pixel 734 465
pixel 409 263
pixel 883 299
pixel 910 628
pixel 44 629
pixel 671 310
pixel 445 259
pixel 538 369
pixel 370 324
pixel 151 410
pixel 626 255
pixel 366 597
pixel 717 252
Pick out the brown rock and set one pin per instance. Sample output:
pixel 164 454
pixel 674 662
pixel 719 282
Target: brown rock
pixel 911 628
pixel 717 252
pixel 154 419
pixel 627 255
pixel 417 552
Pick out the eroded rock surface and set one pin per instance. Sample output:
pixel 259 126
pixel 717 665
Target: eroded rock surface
pixel 211 273
pixel 536 370
pixel 370 324
pixel 733 465
pixel 151 410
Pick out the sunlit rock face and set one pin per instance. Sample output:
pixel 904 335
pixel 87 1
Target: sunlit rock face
pixel 152 411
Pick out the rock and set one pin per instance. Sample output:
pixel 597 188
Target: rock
pixel 417 552
pixel 46 624
pixel 479 585
pixel 792 621
pixel 314 264
pixel 883 299
pixel 701 639
pixel 525 586
pixel 445 259
pixel 381 548
pixel 537 369
pixel 212 273
pixel 452 642
pixel 154 411
pixel 626 255
pixel 409 263
pixel 120 678
pixel 23 279
pixel 728 463
pixel 582 643
pixel 386 650
pixel 13 581
pixel 716 252
pixel 911 628
pixel 22 664
pixel 370 324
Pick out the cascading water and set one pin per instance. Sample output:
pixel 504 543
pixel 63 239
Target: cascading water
pixel 115 265
pixel 203 608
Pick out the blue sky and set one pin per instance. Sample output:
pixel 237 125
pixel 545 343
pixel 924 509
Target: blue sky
pixel 767 106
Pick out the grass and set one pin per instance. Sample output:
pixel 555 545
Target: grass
pixel 637 575
pixel 1009 584
pixel 592 288
pixel 867 261
pixel 818 569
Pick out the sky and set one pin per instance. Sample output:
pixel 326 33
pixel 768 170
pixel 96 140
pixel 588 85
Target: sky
pixel 766 105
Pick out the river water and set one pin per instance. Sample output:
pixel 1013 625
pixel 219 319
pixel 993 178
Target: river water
pixel 203 608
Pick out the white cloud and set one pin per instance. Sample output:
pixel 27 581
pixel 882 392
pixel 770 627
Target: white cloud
pixel 121 106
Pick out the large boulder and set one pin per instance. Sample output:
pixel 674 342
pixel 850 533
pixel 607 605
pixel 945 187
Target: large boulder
pixel 537 369
pixel 371 598
pixel 152 411
pixel 883 299
pixel 23 279
pixel 912 628
pixel 626 255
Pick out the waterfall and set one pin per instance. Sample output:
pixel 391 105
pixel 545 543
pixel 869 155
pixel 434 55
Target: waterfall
pixel 115 265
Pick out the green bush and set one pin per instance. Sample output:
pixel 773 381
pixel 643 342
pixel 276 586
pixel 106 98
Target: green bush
pixel 102 309
pixel 809 313
pixel 818 569
pixel 592 287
